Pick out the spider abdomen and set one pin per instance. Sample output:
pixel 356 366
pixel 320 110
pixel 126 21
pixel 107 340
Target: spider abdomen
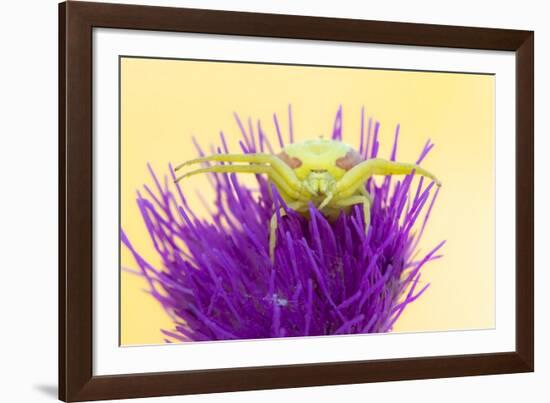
pixel 320 155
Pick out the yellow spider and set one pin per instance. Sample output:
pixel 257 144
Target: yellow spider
pixel 328 173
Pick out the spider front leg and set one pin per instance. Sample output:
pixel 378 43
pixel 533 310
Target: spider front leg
pixel 271 160
pixel 281 182
pixel 364 199
pixel 273 225
pixel 356 177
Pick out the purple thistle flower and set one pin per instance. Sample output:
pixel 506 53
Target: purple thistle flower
pixel 216 278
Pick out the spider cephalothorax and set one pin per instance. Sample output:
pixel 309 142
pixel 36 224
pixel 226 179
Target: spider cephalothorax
pixel 328 173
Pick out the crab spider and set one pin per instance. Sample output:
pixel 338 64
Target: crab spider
pixel 328 173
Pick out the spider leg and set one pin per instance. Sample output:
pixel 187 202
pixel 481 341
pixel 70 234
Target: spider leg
pixel 279 181
pixel 258 158
pixel 273 225
pixel 365 193
pixel 358 199
pixel 355 177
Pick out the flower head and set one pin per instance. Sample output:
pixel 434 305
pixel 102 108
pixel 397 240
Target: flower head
pixel 216 278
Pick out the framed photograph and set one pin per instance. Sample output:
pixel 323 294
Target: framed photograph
pixel 253 201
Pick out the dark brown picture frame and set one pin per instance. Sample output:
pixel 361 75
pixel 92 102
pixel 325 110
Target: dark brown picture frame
pixel 76 23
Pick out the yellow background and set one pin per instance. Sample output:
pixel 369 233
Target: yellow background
pixel 165 102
